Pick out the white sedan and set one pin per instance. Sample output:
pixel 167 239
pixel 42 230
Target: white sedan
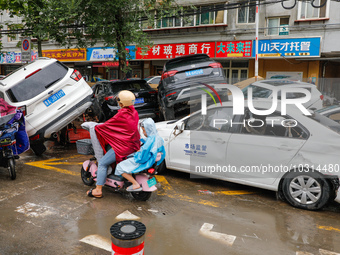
pixel 296 155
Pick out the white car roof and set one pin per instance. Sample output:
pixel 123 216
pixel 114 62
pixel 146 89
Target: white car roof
pixel 281 83
pixel 260 103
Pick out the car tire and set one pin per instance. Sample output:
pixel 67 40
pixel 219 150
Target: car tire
pixel 38 148
pixel 162 168
pixel 306 190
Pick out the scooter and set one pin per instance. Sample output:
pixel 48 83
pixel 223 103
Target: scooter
pixel 145 178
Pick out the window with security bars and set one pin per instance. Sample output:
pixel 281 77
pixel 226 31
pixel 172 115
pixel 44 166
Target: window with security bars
pixel 246 13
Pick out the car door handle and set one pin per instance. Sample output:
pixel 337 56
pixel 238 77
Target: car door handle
pixel 220 141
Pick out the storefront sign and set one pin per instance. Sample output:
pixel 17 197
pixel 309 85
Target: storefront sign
pixel 108 53
pixel 95 54
pixel 66 54
pixel 233 49
pixel 15 57
pixel 168 51
pixel 292 47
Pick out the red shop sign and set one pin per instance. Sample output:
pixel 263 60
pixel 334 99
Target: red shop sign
pixel 233 49
pixel 168 51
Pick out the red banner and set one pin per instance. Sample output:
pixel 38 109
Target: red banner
pixel 233 49
pixel 168 51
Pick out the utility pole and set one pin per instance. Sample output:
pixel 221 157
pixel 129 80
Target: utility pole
pixel 257 41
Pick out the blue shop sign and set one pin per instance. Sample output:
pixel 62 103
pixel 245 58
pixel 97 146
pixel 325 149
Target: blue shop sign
pixel 108 53
pixel 290 47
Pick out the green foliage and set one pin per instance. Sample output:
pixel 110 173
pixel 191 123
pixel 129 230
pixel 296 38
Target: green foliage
pixel 83 23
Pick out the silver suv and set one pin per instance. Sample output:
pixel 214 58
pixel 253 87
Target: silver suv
pixel 50 94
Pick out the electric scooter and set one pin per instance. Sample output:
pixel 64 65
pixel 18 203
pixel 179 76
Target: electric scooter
pixel 145 178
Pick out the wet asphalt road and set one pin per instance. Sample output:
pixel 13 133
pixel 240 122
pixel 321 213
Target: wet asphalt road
pixel 46 211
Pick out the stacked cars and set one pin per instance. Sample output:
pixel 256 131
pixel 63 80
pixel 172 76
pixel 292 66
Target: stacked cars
pixel 180 79
pixel 50 94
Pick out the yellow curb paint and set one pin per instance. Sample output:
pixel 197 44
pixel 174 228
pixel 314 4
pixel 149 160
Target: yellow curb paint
pixel 169 192
pixel 164 183
pixel 234 192
pixel 46 164
pixel 328 228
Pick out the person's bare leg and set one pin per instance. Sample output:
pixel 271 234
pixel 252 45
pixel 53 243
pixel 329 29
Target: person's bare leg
pixel 130 178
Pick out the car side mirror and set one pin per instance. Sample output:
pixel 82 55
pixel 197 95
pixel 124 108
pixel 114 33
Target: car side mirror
pixel 179 128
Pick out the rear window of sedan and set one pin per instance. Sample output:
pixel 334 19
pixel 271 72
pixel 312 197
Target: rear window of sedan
pixel 132 86
pixel 37 82
pixel 185 61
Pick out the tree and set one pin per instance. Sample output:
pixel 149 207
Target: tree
pixel 115 23
pixel 41 19
pixel 83 23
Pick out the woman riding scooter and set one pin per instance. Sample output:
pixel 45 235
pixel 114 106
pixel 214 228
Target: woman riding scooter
pixel 121 133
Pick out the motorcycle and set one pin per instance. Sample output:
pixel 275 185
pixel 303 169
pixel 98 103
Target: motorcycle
pixel 145 178
pixel 13 141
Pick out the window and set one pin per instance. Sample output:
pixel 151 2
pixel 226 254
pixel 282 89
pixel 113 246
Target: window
pixel 246 14
pixel 200 16
pixel 273 125
pixel 209 15
pixel 277 26
pixel 307 11
pixel 217 120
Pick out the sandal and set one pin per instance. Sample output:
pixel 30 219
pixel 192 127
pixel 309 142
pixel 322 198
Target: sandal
pixel 91 195
pixel 131 189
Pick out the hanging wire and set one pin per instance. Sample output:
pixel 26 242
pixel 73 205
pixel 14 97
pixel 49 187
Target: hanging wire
pixel 290 7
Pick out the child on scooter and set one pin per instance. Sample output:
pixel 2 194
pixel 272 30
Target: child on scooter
pixel 121 133
pixel 145 157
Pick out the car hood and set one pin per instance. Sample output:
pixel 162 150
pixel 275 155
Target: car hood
pixel 166 124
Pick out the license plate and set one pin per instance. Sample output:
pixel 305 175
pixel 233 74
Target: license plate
pixel 54 98
pixel 152 182
pixel 139 100
pixel 194 72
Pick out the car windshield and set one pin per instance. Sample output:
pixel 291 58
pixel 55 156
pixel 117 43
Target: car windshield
pixel 258 92
pixel 327 122
pixel 132 86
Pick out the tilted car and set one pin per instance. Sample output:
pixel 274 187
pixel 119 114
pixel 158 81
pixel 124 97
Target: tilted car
pixel 295 155
pixel 264 89
pixel 50 94
pixel 106 93
pixel 180 76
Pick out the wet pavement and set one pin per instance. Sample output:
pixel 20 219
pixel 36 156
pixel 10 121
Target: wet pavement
pixel 46 211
